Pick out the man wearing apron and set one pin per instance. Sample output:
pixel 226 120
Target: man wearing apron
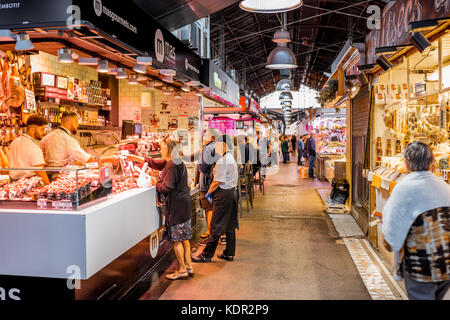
pixel 222 193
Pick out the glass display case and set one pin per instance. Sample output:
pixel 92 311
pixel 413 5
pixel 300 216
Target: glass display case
pixel 72 188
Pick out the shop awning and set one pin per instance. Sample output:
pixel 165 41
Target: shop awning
pixel 117 31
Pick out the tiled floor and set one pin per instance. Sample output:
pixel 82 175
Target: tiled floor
pixel 369 272
pixel 346 225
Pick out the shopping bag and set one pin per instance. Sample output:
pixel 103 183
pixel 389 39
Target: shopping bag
pixel 305 172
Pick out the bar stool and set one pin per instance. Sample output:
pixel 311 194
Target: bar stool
pixel 258 180
pixel 243 189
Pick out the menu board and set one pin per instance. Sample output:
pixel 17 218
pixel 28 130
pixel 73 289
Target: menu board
pixel 62 82
pixel 48 79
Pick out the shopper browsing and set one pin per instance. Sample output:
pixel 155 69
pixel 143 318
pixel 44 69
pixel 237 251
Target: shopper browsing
pixel 25 151
pixel 222 193
pixel 416 221
pixel 310 151
pixel 173 185
pixel 207 159
pixel 300 147
pixel 285 149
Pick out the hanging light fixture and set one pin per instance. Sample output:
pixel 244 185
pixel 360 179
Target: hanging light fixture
pixel 281 37
pixel 384 63
pixel 103 66
pixel 133 79
pixel 270 6
pixel 193 83
pixel 168 72
pixel 420 42
pixel 121 74
pixel 186 88
pixel 88 61
pixel 65 55
pixel 23 42
pixel 286 95
pixel 140 68
pixel 281 58
pixel 146 61
pixel 284 85
pixel 112 71
pixel 167 79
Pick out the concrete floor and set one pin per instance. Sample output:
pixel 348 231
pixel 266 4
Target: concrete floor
pixel 287 248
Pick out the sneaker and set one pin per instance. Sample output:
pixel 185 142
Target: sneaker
pixel 225 257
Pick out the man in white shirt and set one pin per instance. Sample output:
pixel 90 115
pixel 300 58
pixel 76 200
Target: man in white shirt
pixel 25 151
pixel 60 146
pixel 222 194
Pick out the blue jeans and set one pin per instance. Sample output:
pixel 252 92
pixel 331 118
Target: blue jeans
pixel 285 157
pixel 299 159
pixel 312 162
pixel 425 290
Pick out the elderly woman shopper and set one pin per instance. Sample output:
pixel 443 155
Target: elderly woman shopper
pixel 173 186
pixel 416 226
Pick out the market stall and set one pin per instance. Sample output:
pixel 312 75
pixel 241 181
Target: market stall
pixel 330 125
pixel 411 103
pixel 93 232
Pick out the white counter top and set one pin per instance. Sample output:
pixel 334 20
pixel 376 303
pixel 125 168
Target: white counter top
pixel 45 243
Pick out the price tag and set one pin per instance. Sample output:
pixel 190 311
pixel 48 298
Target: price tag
pixel 385 184
pixel 370 176
pixel 92 165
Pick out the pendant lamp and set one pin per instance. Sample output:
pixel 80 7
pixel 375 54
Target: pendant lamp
pixel 281 58
pixel 270 6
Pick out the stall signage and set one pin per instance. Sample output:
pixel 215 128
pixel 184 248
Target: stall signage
pixel 224 125
pixel 144 33
pixel 121 20
pixel 394 26
pixel 9 294
pixel 223 85
pixel 30 106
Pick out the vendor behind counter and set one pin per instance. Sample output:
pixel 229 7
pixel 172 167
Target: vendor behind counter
pixel 25 151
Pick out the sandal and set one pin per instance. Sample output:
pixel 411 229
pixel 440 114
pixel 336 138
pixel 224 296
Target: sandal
pixel 177 275
pixel 190 271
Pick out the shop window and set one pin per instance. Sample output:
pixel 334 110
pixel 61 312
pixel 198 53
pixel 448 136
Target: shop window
pixel 409 106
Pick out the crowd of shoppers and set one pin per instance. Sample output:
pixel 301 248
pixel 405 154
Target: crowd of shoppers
pixel 218 180
pixel 304 146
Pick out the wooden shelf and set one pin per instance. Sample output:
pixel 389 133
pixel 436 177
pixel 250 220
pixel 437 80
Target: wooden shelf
pixel 79 104
pixel 86 127
pixel 417 98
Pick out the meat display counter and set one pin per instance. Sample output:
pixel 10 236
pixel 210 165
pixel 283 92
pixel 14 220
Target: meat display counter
pixel 89 234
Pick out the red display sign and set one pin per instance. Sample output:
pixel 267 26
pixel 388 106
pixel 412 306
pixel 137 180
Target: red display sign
pixel 224 125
